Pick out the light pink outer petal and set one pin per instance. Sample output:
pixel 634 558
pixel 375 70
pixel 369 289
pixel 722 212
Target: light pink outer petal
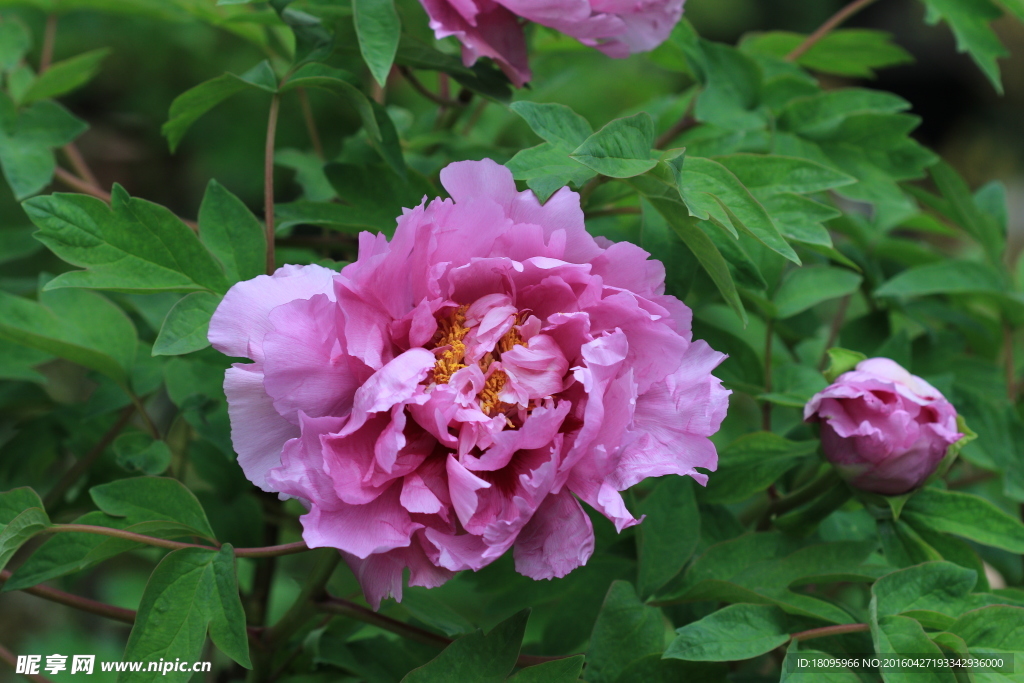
pixel 362 530
pixel 380 575
pixel 494 33
pixel 242 319
pixel 556 540
pixel 258 432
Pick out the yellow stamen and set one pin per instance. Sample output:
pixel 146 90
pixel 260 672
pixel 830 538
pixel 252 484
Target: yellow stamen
pixel 452 330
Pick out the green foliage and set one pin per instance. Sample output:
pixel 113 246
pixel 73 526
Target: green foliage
pixel 476 657
pixel 192 589
pixel 131 246
pixel 789 198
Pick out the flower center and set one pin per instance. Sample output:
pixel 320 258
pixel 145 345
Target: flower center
pixel 451 333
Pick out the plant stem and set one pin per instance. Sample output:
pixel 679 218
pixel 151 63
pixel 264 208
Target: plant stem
pixel 311 129
pixel 146 419
pixel 833 332
pixel 268 180
pixel 826 631
pixel 264 551
pixel 83 465
pixel 8 657
pixel 84 604
pixel 49 39
pixel 826 28
pixel 1010 365
pixel 101 609
pixel 418 86
pixel 76 183
pixel 614 211
pixel 347 608
pixel 766 406
pixel 78 163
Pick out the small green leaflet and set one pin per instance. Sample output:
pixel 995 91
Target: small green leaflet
pixel 548 166
pixel 187 324
pixel 669 535
pixel 131 246
pixel 379 29
pixel 969 20
pixel 621 149
pixel 139 452
pixel 806 287
pixel 232 234
pixel 63 77
pixel 27 139
pixel 21 517
pixel 845 52
pixel 193 103
pixel 192 589
pixel 732 633
pixel 15 41
pixel 477 657
pixel 626 629
pixel 965 515
pixel 152 499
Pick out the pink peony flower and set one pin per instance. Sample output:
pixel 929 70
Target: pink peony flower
pixel 456 392
pixel 487 28
pixel 884 429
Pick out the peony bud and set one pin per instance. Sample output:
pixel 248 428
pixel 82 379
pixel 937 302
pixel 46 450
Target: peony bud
pixel 885 430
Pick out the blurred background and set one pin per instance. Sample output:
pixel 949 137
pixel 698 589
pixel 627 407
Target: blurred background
pixel 158 52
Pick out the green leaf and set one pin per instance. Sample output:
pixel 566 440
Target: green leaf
pixel 63 77
pixel 379 28
pixel 939 587
pixel 232 234
pixel 840 361
pixel 309 173
pixel 761 568
pixel 766 175
pixel 80 326
pixel 669 534
pixel 702 247
pixel 138 452
pixel 192 589
pixel 27 140
pixel 19 530
pixel 15 41
pixel 853 52
pixel 17 362
pixel 732 82
pixel 17 243
pixel 654 669
pixel 997 628
pixel 16 501
pixel 152 498
pixel 476 657
pixel 710 190
pixel 187 324
pixel 131 246
pixel 988 227
pixel 548 166
pixel 806 287
pixel 969 20
pixel 621 149
pixel 558 671
pixel 898 635
pixel 732 633
pixel 752 462
pixel 965 515
pixel 70 552
pixel 380 130
pixel 194 102
pixel 944 277
pixel 626 629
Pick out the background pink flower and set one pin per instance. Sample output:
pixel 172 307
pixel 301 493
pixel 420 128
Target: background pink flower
pixel 456 392
pixel 884 429
pixel 490 28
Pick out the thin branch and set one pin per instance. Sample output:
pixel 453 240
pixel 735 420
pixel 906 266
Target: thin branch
pixel 347 608
pixel 146 419
pixel 49 39
pixel 8 657
pixel 101 609
pixel 766 406
pixel 826 631
pixel 85 187
pixel 614 211
pixel 474 118
pixel 1010 365
pixel 83 465
pixel 76 183
pixel 676 129
pixel 78 163
pixel 311 129
pixel 265 551
pixel 833 332
pixel 268 181
pixel 418 86
pixel 84 604
pixel 826 28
